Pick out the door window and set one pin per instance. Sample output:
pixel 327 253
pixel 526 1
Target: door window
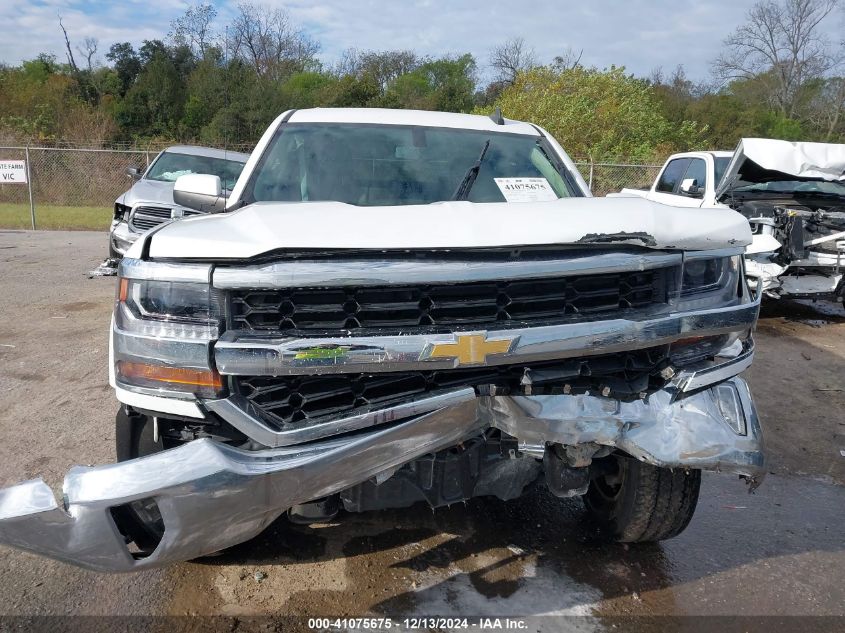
pixel 670 179
pixel 697 171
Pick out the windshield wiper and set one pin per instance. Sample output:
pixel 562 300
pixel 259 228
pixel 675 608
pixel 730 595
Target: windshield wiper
pixel 462 192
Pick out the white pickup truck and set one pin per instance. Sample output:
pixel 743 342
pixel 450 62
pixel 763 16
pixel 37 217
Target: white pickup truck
pixel 793 195
pixel 399 307
pixel 688 179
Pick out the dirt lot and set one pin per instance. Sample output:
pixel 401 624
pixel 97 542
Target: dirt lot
pixel 780 551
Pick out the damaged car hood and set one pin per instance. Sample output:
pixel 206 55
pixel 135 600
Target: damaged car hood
pixel 761 160
pixel 148 191
pixel 267 226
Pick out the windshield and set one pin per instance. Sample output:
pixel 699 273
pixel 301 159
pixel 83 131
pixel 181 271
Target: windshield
pixel 387 165
pixel 796 186
pixel 170 165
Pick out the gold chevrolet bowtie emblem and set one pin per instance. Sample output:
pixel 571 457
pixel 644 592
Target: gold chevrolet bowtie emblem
pixel 471 349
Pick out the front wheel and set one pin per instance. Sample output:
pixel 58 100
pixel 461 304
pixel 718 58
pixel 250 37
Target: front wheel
pixel 636 502
pixel 139 521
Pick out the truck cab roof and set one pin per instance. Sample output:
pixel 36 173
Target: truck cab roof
pixel 703 154
pixel 424 118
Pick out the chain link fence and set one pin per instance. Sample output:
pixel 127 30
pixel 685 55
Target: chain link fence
pixel 77 177
pixel 70 188
pixel 76 187
pixel 605 178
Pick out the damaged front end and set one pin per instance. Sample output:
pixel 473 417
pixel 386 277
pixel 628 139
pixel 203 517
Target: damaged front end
pixel 436 383
pixel 210 496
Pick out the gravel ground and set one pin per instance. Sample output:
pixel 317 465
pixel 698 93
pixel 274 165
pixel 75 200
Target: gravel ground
pixel 780 551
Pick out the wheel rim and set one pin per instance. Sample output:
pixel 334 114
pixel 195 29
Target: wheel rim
pixel 609 485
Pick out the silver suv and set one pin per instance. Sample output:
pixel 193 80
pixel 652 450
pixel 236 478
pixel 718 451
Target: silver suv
pixel 150 200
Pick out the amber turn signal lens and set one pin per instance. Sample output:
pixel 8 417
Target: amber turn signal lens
pixel 123 290
pixel 171 375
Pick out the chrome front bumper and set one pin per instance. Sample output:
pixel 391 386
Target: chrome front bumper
pixel 121 236
pixel 212 496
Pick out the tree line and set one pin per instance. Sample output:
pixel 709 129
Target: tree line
pixel 777 76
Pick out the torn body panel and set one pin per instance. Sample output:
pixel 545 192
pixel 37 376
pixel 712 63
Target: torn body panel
pixel 687 433
pixel 765 159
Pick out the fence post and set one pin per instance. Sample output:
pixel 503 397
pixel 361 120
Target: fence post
pixel 592 165
pixel 29 187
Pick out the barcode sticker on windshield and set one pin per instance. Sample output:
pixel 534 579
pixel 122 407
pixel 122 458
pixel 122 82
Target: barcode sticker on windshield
pixel 526 189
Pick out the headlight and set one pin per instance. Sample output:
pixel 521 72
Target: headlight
pixel 171 301
pixel 163 332
pixel 121 211
pixel 710 282
pixel 703 275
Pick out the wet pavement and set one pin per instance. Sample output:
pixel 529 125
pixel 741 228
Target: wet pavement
pixel 773 552
pixel 777 552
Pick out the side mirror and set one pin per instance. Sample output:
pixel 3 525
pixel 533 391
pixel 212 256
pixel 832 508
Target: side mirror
pixel 689 187
pixel 134 173
pixel 201 192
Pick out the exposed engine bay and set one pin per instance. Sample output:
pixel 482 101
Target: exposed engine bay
pixel 799 224
pixel 793 195
pixel 802 234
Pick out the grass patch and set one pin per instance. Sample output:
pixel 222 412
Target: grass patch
pixel 51 217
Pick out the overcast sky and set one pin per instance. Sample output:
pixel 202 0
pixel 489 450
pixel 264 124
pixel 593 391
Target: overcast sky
pixel 638 34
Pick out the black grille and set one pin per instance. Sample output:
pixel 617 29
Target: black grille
pixel 300 400
pixel 464 304
pixel 144 218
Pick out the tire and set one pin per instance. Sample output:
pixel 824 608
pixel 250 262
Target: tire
pixel 639 503
pixel 139 522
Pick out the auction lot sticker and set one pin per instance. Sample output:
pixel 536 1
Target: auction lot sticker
pixel 12 171
pixel 526 189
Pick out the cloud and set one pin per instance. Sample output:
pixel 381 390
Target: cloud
pixel 638 34
pixel 33 27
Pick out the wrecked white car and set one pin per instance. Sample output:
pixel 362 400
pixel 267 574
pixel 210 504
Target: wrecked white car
pixel 793 195
pixel 687 179
pixel 409 307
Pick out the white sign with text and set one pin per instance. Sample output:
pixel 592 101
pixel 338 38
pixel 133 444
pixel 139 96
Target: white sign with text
pixel 526 189
pixel 12 172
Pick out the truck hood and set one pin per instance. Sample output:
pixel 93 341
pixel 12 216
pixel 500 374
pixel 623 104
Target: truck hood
pixel 761 160
pixel 149 191
pixel 269 226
